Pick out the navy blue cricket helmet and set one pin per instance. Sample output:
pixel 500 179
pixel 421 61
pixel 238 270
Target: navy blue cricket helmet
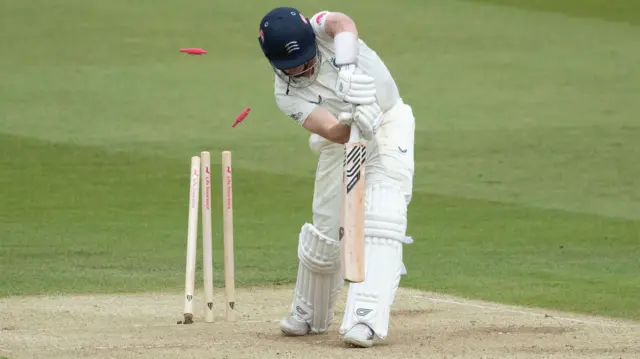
pixel 287 38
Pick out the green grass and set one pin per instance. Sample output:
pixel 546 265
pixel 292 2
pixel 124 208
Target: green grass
pixel 79 219
pixel 84 220
pixel 611 10
pixel 527 154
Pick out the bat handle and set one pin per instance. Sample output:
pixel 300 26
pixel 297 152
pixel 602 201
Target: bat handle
pixel 354 136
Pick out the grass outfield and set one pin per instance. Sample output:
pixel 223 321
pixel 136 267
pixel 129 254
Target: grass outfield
pixel 527 155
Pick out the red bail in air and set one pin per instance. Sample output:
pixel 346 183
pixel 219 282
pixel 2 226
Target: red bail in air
pixel 241 116
pixel 194 51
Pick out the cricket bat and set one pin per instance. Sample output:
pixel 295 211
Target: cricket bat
pixel 352 229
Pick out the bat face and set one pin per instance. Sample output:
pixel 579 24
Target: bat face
pixel 352 230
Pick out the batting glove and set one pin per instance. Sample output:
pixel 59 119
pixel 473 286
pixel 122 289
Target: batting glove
pixel 368 118
pixel 354 86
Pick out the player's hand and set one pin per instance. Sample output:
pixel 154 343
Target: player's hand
pixel 355 87
pixel 345 118
pixel 368 118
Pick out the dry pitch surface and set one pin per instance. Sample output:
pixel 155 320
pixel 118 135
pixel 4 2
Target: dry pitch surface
pixel 424 325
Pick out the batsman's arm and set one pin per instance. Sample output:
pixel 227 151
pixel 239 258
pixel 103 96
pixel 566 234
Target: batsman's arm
pixel 312 117
pixel 341 30
pixel 328 24
pixel 337 22
pixel 322 122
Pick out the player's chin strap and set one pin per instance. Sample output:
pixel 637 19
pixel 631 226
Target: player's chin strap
pixel 369 302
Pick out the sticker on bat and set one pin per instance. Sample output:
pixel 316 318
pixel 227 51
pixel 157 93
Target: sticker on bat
pixel 354 159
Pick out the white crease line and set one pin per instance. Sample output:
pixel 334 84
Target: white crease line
pixel 75 329
pixel 505 309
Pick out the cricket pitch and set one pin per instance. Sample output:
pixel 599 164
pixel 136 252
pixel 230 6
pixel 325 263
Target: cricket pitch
pixel 424 325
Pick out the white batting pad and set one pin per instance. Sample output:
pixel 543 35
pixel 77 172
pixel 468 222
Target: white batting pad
pixel 370 302
pixel 315 287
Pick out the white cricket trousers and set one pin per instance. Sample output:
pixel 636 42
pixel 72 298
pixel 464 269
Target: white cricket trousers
pixel 390 159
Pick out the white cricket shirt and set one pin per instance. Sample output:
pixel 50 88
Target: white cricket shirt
pixel 300 102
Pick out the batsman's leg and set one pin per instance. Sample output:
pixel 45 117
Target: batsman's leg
pixel 389 186
pixel 369 303
pixel 319 260
pixel 319 280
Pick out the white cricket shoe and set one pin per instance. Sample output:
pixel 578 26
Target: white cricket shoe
pixel 293 325
pixel 360 335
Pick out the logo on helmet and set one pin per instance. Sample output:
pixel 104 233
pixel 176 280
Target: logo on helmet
pixel 292 46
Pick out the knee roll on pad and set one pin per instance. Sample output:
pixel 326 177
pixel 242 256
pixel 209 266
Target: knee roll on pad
pixel 314 295
pixel 385 213
pixel 370 302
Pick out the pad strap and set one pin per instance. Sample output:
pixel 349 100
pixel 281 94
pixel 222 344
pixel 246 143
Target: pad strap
pixel 390 227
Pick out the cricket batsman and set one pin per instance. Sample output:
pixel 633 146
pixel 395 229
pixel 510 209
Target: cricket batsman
pixel 327 78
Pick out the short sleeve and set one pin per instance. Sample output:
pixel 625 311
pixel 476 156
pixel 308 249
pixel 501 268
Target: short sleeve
pixel 294 107
pixel 317 23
